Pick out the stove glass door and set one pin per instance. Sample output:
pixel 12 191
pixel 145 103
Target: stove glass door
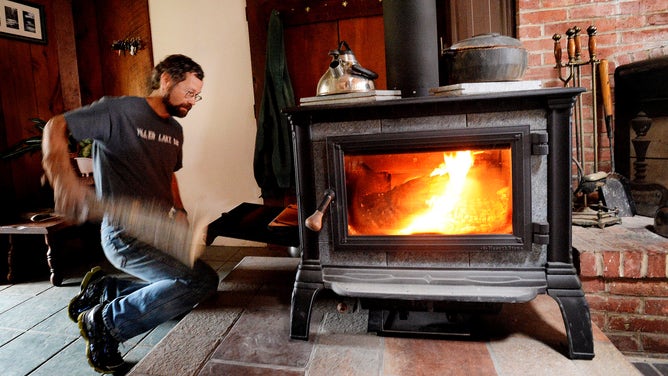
pixel 448 192
pixel 455 188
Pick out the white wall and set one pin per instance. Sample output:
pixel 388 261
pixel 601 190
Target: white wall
pixel 217 172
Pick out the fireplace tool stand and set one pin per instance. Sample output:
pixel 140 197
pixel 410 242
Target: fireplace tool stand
pixel 606 185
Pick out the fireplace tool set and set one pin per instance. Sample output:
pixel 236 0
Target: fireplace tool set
pixel 608 185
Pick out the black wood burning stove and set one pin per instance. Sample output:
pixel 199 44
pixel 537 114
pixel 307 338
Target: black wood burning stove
pixel 439 199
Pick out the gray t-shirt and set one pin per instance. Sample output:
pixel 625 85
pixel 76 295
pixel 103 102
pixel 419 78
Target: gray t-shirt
pixel 135 151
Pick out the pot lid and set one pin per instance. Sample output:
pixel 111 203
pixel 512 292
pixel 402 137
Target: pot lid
pixel 487 40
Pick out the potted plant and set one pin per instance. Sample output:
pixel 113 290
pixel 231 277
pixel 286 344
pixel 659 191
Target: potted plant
pixel 27 145
pixel 81 149
pixel 83 158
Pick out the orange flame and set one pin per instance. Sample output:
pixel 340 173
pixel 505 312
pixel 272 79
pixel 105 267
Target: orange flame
pixel 450 211
pixel 439 216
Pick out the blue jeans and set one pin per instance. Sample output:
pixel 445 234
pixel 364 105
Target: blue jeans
pixel 167 288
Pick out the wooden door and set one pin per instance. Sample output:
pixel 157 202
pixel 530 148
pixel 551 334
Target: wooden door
pixel 461 19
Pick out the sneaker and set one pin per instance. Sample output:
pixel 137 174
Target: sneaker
pixel 92 288
pixel 101 347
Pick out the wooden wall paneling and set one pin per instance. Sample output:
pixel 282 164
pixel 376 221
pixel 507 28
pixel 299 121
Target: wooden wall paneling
pixel 30 88
pixel 366 37
pixel 41 80
pixel 301 12
pixel 47 80
pixel 118 20
pixel 50 83
pixel 13 96
pixel 88 50
pixel 50 69
pixel 307 53
pixel 6 182
pixel 257 16
pixel 19 103
pixel 3 127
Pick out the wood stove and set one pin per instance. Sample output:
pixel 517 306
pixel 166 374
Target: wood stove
pixel 438 200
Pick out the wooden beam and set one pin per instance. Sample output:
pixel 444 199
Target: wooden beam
pixel 67 54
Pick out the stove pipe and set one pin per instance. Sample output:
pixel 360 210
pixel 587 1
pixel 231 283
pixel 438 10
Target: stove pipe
pixel 411 46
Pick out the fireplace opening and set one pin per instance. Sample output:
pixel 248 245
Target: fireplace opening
pixel 446 190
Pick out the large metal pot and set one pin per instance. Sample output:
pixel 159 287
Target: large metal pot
pixel 485 58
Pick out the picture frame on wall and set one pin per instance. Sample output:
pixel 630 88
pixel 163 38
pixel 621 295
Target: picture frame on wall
pixel 22 20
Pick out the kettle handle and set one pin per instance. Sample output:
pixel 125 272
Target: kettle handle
pixel 342 44
pixel 364 72
pixel 339 50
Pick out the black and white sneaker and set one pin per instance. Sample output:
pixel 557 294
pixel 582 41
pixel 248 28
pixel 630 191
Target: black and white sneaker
pixel 101 347
pixel 92 289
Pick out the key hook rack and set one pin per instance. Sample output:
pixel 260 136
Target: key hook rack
pixel 131 45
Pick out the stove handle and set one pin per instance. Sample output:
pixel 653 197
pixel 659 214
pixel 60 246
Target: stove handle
pixel 314 222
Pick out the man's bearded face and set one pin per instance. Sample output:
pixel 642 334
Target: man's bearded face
pixel 175 102
pixel 182 96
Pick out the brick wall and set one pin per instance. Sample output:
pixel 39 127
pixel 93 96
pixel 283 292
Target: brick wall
pixel 624 273
pixel 628 31
pixel 623 269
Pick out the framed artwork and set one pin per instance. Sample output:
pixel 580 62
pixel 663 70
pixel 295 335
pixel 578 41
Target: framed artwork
pixel 22 20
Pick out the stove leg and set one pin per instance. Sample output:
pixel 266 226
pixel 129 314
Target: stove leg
pixel 575 311
pixel 564 286
pixel 303 296
pixel 308 283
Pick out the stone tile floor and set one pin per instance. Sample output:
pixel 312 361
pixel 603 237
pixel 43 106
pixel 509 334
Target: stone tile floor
pixel 243 331
pixel 37 338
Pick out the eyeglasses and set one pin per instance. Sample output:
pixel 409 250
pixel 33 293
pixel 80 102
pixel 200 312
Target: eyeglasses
pixel 191 94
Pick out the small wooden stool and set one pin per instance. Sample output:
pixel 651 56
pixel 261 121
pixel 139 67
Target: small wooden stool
pixel 47 228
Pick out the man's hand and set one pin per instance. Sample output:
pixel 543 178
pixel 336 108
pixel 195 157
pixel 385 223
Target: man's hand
pixel 71 197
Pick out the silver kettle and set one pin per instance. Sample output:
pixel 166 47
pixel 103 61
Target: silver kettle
pixel 345 74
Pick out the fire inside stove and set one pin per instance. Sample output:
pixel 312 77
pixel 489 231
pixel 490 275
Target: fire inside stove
pixel 443 192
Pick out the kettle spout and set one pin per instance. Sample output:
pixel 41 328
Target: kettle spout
pixel 335 69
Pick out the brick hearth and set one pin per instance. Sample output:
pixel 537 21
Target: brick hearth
pixel 625 279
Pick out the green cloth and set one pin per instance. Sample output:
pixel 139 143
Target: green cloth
pixel 272 164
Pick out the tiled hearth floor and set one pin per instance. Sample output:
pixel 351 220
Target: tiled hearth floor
pixel 244 331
